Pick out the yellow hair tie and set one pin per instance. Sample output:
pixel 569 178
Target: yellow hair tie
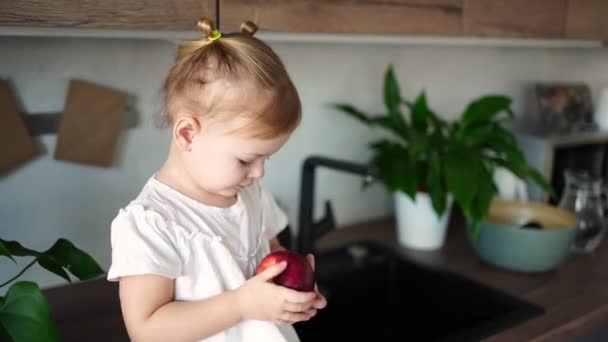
pixel 215 35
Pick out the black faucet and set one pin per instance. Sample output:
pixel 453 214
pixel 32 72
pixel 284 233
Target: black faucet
pixel 308 230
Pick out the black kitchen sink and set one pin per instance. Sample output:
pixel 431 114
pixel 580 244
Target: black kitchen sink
pixel 375 294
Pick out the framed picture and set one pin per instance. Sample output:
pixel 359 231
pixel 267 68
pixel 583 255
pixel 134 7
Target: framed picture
pixel 565 107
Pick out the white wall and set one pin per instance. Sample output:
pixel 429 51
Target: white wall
pixel 48 199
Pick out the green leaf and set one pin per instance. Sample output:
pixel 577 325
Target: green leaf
pixel 418 145
pixel 4 336
pixel 504 134
pixel 407 103
pixel 16 249
pixel 435 186
pixel 76 261
pixel 475 230
pixel 353 112
pixel 383 121
pixel 395 169
pixel 406 176
pixel 10 248
pixel 461 170
pixel 485 193
pixel 524 172
pixel 485 108
pixel 539 179
pixel 478 135
pixel 53 266
pixel 392 99
pixel 510 151
pixel 420 113
pixel 25 314
pixel 515 168
pixel 4 251
pixel 392 93
pixel 482 135
pixel 388 124
pixel 437 122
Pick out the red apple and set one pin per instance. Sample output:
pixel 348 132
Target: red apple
pixel 298 275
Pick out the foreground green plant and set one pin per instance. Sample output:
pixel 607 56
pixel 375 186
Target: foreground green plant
pixel 25 314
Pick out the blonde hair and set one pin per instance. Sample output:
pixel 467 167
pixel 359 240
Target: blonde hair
pixel 234 57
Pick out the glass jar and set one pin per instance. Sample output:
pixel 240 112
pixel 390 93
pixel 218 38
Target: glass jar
pixel 583 196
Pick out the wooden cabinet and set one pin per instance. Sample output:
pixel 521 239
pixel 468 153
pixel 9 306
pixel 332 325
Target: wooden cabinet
pixel 119 14
pixel 559 19
pixel 515 18
pixel 539 19
pixel 587 19
pixel 411 17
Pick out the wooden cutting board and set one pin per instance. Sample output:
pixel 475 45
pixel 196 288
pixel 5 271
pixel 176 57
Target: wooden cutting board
pixel 90 124
pixel 16 144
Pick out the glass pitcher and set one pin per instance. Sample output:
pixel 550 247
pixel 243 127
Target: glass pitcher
pixel 583 196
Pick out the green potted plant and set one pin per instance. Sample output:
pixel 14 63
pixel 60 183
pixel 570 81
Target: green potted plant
pixel 25 314
pixel 428 163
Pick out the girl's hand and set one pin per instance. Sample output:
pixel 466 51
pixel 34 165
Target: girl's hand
pixel 319 302
pixel 260 299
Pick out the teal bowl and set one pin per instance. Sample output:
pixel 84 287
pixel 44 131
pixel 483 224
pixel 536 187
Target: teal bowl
pixel 504 241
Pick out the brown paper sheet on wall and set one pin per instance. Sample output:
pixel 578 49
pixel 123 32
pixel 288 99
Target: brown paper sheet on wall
pixel 90 124
pixel 16 144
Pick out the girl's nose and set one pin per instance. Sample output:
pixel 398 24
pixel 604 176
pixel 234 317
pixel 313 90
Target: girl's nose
pixel 257 171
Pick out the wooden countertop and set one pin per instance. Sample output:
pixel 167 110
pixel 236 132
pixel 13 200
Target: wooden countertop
pixel 575 296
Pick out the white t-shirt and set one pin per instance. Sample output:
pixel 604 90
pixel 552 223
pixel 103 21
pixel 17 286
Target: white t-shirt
pixel 206 250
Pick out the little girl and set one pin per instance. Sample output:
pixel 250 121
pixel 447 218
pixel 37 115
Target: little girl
pixel 185 250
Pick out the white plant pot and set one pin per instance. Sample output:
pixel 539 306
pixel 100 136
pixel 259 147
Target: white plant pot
pixel 418 226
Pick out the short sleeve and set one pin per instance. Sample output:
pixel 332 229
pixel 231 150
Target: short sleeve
pixel 141 244
pixel 274 219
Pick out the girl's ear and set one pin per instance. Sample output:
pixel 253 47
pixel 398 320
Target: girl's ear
pixel 185 130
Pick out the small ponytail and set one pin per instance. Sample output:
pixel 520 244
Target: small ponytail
pixel 206 26
pixel 249 28
pixel 187 48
